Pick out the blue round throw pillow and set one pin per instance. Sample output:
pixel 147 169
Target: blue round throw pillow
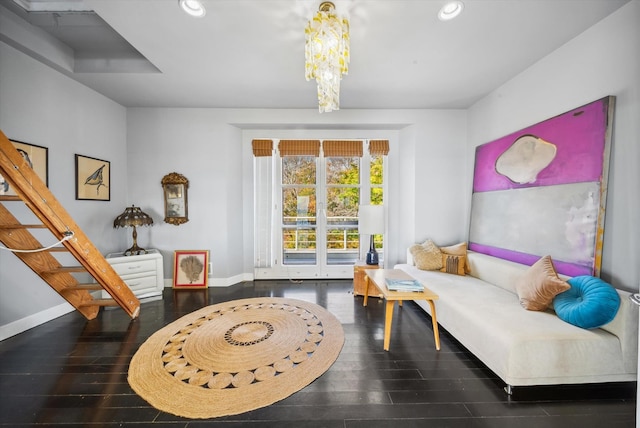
pixel 589 303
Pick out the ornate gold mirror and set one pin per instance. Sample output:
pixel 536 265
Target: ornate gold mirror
pixel 176 209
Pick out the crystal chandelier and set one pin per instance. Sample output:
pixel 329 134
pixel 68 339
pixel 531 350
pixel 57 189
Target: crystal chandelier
pixel 327 54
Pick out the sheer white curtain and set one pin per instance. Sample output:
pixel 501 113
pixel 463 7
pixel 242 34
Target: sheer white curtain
pixel 263 202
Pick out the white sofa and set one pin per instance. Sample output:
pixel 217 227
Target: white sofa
pixel 524 348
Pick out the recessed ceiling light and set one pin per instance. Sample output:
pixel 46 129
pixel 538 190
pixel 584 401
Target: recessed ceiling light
pixel 450 10
pixel 193 8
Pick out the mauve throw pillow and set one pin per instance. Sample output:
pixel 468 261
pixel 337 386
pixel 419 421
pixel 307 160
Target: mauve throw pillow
pixel 538 286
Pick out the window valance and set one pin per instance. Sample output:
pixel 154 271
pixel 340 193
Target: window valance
pixel 342 148
pixel 379 147
pixel 299 148
pixel 262 147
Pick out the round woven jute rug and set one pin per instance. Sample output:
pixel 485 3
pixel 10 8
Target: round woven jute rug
pixel 237 356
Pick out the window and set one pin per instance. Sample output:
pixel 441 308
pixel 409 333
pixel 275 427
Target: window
pixel 311 228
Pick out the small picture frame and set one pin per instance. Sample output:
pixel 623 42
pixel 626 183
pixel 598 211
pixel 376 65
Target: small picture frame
pixel 38 159
pixel 93 179
pixel 190 269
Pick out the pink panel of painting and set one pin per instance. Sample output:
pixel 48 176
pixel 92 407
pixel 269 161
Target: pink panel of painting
pixel 579 136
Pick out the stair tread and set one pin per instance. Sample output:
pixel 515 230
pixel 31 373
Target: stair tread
pixel 67 269
pixel 99 302
pixel 23 226
pixel 88 287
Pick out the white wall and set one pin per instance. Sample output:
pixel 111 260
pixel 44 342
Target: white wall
pixel 202 146
pixel 212 148
pixel 43 107
pixel 604 60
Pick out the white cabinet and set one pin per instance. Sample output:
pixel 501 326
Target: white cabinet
pixel 143 273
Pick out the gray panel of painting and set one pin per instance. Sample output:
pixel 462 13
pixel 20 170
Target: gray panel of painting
pixel 560 221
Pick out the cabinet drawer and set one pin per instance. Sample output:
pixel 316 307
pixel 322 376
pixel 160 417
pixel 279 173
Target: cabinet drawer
pixel 142 286
pixel 140 283
pixel 142 273
pixel 136 266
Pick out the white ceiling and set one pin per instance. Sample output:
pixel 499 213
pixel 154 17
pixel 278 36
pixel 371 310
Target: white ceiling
pixel 250 53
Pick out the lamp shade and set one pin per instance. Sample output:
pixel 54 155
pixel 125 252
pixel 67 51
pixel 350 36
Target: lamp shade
pixel 132 217
pixel 371 219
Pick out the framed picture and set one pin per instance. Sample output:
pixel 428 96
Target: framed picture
pixel 93 179
pixel 190 268
pixel 38 159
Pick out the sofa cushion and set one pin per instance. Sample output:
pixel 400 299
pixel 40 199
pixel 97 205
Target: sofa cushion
pixel 427 256
pixel 589 303
pixel 457 250
pixel 538 286
pixel 499 272
pixel 453 264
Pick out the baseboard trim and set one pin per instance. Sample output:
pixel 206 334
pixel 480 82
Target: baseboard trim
pixel 227 282
pixel 31 321
pixel 219 282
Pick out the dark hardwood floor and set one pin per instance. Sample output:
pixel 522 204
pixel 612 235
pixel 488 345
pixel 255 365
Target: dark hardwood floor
pixel 74 372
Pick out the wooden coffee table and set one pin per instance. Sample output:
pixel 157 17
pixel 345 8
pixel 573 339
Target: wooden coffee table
pixel 378 277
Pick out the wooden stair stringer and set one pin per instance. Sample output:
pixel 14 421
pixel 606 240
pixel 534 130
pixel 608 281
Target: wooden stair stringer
pixel 39 199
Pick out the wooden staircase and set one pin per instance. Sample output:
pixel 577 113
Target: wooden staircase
pixel 30 190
